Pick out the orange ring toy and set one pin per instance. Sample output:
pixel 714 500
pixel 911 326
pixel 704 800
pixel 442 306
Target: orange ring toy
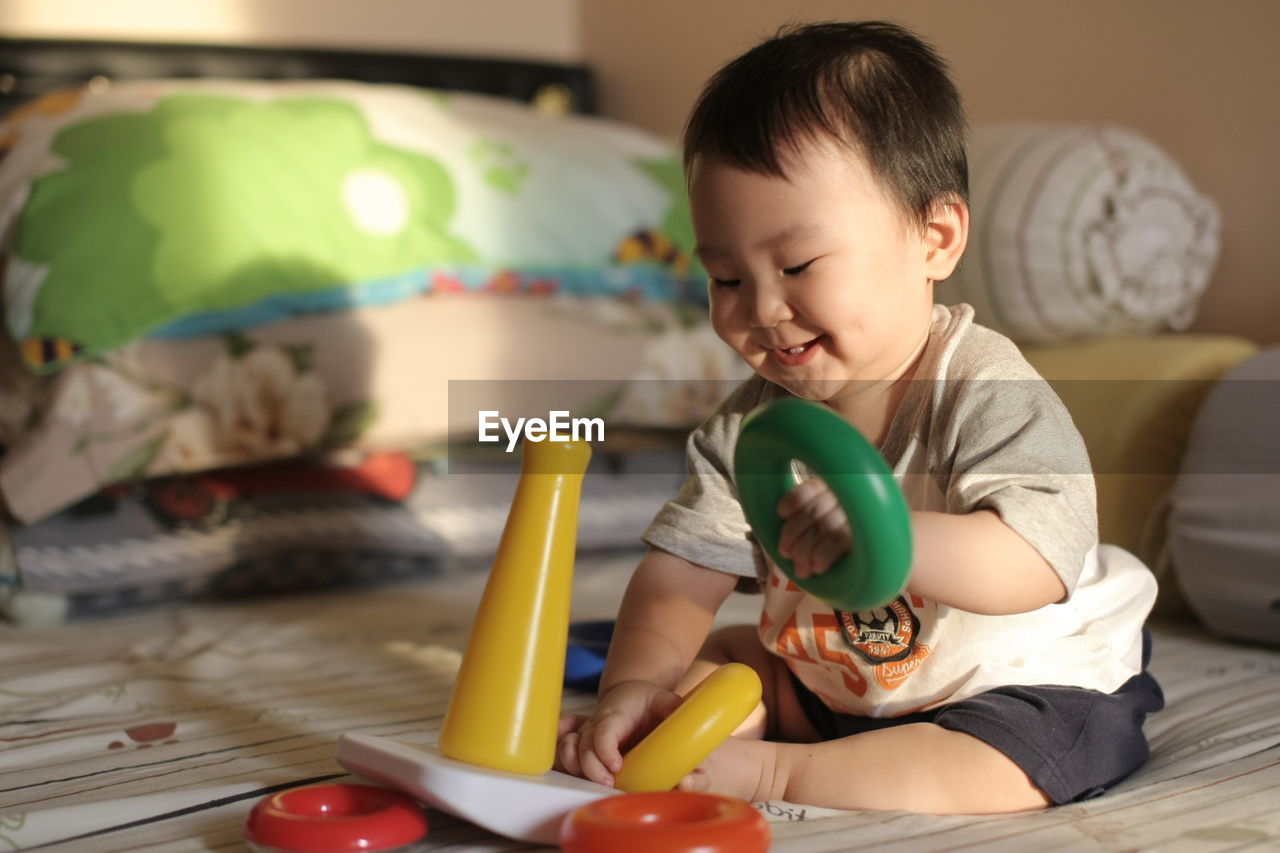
pixel 335 819
pixel 670 821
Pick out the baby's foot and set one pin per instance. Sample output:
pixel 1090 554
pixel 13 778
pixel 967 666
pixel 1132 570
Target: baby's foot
pixel 738 768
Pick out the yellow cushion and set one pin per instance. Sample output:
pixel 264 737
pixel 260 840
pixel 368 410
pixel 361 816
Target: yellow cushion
pixel 1134 399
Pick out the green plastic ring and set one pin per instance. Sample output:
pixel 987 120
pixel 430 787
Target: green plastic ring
pixel 874 572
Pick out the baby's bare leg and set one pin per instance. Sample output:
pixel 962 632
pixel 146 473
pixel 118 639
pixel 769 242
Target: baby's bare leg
pixel 919 767
pixel 779 715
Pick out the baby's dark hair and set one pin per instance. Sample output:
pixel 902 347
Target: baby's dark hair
pixel 871 85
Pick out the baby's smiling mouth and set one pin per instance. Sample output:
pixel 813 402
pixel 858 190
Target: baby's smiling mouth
pixel 794 356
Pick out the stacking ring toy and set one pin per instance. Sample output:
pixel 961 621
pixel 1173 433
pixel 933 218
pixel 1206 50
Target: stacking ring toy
pixel 707 716
pixel 875 571
pixel 667 821
pixel 334 819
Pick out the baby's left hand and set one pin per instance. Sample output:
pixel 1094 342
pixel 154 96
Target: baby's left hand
pixel 816 532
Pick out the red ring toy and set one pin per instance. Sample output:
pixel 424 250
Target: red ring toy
pixel 670 821
pixel 335 819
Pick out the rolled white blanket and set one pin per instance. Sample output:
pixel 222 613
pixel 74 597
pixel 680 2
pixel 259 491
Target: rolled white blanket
pixel 1081 231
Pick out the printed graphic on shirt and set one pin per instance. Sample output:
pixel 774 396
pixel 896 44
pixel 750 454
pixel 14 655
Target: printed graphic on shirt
pixel 888 638
pixel 840 655
pixel 818 643
pixel 885 634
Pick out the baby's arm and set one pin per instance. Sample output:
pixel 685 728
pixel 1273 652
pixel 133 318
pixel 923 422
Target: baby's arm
pixel 973 561
pixel 978 563
pixel 665 617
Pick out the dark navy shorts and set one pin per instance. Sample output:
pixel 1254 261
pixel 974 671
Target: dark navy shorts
pixel 1072 742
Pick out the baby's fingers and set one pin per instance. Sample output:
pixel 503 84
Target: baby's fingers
pixel 696 781
pixel 577 755
pixel 569 723
pixel 796 498
pixel 815 542
pixel 567 755
pixel 818 518
pixel 567 737
pixel 607 736
pixel 829 548
pixel 593 768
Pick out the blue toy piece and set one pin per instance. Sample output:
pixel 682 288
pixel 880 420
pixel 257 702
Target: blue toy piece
pixel 585 656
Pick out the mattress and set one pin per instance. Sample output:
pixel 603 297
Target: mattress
pixel 159 731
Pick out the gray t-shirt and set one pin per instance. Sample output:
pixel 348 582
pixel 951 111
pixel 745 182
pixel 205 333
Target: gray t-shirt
pixel 977 429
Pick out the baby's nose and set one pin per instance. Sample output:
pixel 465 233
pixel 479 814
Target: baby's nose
pixel 768 306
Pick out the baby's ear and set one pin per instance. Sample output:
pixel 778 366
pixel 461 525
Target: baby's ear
pixel 946 236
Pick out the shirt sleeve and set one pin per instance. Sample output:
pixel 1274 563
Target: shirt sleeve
pixel 1012 447
pixel 704 523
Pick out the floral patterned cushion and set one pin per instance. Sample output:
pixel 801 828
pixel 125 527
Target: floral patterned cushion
pixel 195 207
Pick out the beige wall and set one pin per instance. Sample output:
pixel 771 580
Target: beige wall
pixel 545 29
pixel 1201 79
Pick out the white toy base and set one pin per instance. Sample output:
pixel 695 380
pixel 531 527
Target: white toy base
pixel 526 808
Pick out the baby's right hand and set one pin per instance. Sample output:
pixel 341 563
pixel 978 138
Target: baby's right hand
pixel 815 532
pixel 592 746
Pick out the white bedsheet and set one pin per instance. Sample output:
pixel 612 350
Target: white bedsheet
pixel 159 731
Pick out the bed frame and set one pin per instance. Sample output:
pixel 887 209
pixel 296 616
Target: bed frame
pixel 31 67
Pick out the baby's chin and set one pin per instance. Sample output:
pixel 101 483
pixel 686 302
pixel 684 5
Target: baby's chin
pixel 819 390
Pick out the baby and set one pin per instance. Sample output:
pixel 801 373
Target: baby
pixel 828 187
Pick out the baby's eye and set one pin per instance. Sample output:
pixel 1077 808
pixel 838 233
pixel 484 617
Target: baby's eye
pixel 725 282
pixel 797 269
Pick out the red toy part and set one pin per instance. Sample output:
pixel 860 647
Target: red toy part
pixel 208 499
pixel 385 475
pixel 670 821
pixel 335 819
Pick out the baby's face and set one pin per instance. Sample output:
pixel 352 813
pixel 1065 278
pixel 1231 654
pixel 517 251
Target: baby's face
pixel 817 280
